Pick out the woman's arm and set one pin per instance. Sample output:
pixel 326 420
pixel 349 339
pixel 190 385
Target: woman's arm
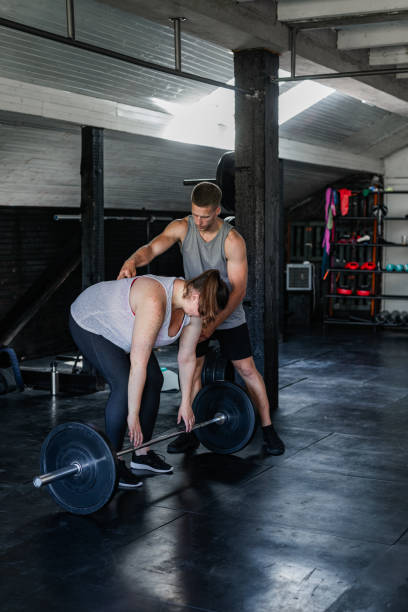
pixel 186 362
pixel 149 308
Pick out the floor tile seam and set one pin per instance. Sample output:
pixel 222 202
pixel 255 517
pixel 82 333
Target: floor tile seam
pixel 294 428
pixel 322 404
pixel 309 530
pixel 293 383
pixel 220 495
pixel 138 537
pixel 329 533
pixel 340 433
pixel 327 435
pixel 171 606
pixel 344 434
pixel 150 531
pixel 185 511
pixel 400 537
pixel 290 363
pixel 292 414
pixel 225 493
pixel 388 401
pixel 345 474
pixel 311 387
pixel 195 608
pixel 238 519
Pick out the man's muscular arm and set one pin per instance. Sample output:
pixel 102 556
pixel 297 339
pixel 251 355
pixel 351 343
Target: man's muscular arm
pixel 173 232
pixel 237 269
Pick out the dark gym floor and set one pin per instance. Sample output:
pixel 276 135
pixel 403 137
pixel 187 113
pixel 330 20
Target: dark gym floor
pixel 323 527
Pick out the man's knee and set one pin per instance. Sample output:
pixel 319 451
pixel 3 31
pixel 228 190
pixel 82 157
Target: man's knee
pixel 246 367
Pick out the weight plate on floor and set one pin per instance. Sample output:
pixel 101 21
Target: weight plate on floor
pixel 232 401
pixel 93 486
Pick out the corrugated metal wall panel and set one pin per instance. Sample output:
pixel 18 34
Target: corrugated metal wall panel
pixel 149 173
pixel 41 166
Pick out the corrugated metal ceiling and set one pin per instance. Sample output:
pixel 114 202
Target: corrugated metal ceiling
pixel 331 121
pixel 31 59
pixel 27 58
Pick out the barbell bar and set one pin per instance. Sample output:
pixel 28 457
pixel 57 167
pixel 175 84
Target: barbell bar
pixel 80 467
pixel 76 467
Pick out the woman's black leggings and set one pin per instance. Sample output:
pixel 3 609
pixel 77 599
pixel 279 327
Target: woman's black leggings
pixel 114 365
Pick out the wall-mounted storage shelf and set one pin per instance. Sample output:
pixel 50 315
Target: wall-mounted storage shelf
pixel 366 297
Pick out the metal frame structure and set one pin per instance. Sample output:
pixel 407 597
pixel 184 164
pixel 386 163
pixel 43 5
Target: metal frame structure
pixel 295 27
pixel 71 41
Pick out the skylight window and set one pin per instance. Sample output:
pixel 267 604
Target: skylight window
pixel 300 97
pixel 210 121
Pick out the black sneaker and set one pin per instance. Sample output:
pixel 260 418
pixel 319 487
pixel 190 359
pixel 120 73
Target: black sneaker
pixel 273 445
pixel 151 461
pixel 184 443
pixel 127 480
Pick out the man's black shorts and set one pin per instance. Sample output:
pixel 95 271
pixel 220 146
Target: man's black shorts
pixel 234 343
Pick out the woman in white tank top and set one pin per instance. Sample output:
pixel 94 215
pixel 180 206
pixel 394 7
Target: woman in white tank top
pixel 116 325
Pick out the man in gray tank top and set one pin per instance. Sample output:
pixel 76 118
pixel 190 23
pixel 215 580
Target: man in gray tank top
pixel 206 242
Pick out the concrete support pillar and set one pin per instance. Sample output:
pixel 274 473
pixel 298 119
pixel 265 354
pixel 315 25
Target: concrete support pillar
pixel 92 206
pixel 92 218
pixel 258 203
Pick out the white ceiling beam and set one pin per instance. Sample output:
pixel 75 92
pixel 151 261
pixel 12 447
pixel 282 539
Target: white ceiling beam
pixel 38 101
pixel 323 156
pixel 50 103
pixel 303 10
pixel 373 35
pixel 229 24
pixel 385 56
pixel 383 92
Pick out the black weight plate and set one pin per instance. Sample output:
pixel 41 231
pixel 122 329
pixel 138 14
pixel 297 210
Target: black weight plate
pixel 225 177
pixel 224 370
pixel 216 367
pixel 234 402
pixel 208 368
pixel 93 487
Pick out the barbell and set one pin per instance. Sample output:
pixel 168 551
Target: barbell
pixel 79 466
